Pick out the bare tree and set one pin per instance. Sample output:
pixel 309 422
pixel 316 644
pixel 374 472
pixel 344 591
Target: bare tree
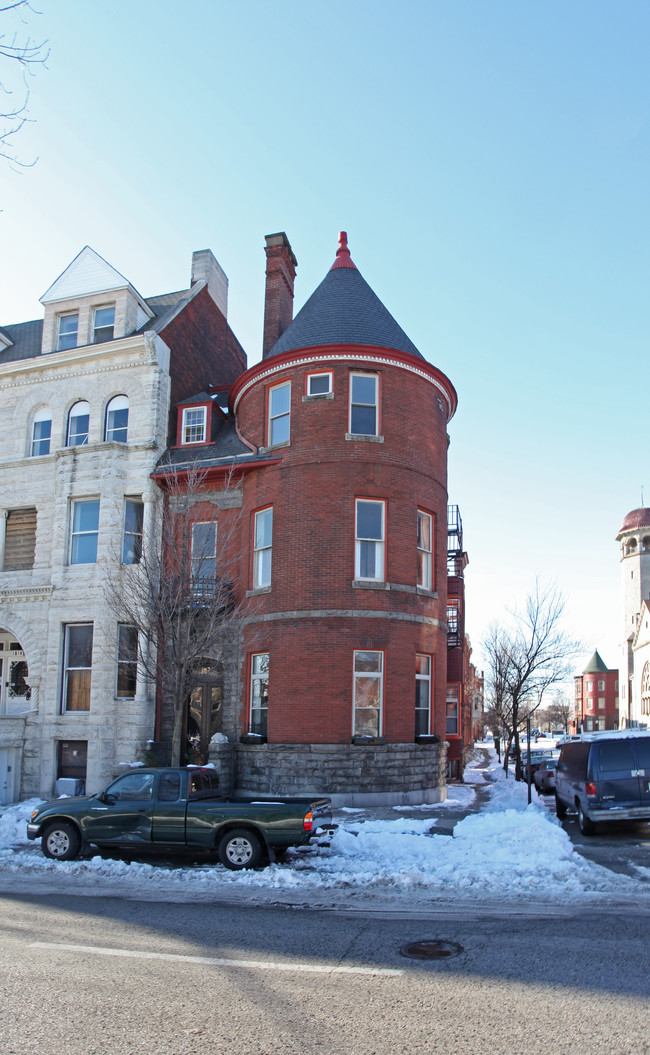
pixel 559 711
pixel 178 593
pixel 524 659
pixel 19 57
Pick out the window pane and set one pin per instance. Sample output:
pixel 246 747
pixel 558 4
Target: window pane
pixel 41 437
pixel 280 400
pixel 132 537
pixel 104 324
pixel 263 528
pixel 615 756
pixel 368 661
pixel 318 384
pixel 86 516
pixel 363 421
pixel 68 326
pixel 370 520
pixel 280 430
pixel 364 389
pixel 80 645
pixel 424 531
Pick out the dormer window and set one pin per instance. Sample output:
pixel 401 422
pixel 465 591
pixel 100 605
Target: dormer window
pixel 103 324
pixel 194 425
pixel 68 332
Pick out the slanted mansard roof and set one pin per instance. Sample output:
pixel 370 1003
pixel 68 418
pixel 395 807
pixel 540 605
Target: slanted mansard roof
pixel 343 310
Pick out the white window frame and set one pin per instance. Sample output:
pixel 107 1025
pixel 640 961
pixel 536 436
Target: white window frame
pixel 80 438
pixel 194 425
pixel 423 678
pixel 262 547
pixel 99 337
pixel 63 343
pixel 359 403
pixel 322 373
pixel 75 504
pixel 40 417
pixel 114 405
pixel 361 542
pixel 65 681
pixel 372 675
pixel 121 662
pixel 425 556
pixel 276 418
pixel 259 671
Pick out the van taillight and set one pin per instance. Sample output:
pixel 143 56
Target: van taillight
pixel 590 790
pixel 308 822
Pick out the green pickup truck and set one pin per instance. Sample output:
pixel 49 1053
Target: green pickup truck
pixel 176 810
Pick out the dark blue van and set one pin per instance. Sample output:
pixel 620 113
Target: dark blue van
pixel 605 777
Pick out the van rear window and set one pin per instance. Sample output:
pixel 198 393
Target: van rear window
pixel 643 752
pixel 616 755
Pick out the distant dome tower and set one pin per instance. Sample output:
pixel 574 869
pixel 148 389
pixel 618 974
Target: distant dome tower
pixel 634 538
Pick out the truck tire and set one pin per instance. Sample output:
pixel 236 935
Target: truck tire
pixel 240 848
pixel 587 827
pixel 61 842
pixel 560 808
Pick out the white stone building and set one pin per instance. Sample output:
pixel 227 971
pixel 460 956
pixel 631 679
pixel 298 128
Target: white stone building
pixel 634 537
pixel 85 397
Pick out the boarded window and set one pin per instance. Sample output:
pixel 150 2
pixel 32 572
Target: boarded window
pixel 20 539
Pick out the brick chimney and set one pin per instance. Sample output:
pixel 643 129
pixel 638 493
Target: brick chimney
pixel 281 267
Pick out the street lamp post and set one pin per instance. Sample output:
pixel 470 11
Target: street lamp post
pixel 529 759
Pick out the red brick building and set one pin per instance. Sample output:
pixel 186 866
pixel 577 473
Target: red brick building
pixel 596 697
pixel 338 442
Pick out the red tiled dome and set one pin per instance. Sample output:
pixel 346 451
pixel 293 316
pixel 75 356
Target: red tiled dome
pixel 637 520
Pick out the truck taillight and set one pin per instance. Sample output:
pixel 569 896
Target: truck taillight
pixel 590 790
pixel 308 822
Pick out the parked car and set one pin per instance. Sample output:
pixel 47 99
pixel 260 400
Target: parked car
pixel 537 759
pixel 604 777
pixel 545 776
pixel 175 810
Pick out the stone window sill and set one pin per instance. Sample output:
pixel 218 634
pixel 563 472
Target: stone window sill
pixel 358 438
pixel 257 591
pixel 361 584
pixel 274 447
pixel 316 396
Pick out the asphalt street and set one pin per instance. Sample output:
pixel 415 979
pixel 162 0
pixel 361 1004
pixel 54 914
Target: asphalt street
pixel 84 976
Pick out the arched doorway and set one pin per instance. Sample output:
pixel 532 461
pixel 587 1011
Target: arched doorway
pixel 204 711
pixel 15 692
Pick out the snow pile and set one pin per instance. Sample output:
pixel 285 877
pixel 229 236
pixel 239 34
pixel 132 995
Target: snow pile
pixel 508 849
pixel 13 823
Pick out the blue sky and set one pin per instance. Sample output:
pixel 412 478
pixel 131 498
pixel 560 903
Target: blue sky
pixel 490 162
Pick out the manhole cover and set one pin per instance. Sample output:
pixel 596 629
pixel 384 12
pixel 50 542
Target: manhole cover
pixel 431 949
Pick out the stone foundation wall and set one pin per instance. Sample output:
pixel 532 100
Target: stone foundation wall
pixel 350 774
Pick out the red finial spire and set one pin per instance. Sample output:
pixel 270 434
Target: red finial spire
pixel 343 258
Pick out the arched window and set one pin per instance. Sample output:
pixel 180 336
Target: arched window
pixel 41 432
pixel 630 546
pixel 645 690
pixel 117 419
pixel 78 424
pixel 646 543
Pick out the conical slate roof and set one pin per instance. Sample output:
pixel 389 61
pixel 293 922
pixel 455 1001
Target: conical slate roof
pixel 343 310
pixel 595 665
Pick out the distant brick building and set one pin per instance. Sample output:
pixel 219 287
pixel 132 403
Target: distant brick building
pixel 596 697
pixel 338 444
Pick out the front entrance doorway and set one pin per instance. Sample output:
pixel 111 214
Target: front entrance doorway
pixel 204 712
pixel 15 693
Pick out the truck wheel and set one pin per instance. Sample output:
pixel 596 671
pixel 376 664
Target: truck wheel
pixel 587 827
pixel 240 848
pixel 61 842
pixel 560 808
